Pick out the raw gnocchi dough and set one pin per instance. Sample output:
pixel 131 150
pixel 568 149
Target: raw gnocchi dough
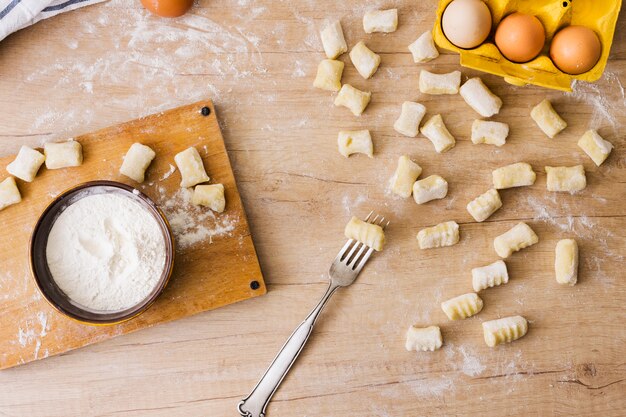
pixel 566 179
pixel 364 59
pixel 410 118
pixel 519 237
pixel 595 146
pixel 9 193
pixel 437 84
pixel 484 205
pixel 355 141
pixel 333 41
pixel 63 154
pixel 504 330
pixel 385 21
pixel 490 133
pixel 515 175
pixel 424 49
pixel 480 98
pixel 137 159
pixel 566 262
pixel 437 132
pixel 489 276
pixel 404 177
pixel 329 74
pixel 191 167
pixel 26 164
pixel 423 338
pixel 547 119
pixel 211 196
pixel 463 306
pixel 430 188
pixel 371 235
pixel 443 234
pixel 353 99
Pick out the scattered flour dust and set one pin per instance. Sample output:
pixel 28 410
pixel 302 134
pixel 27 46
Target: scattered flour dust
pixel 192 224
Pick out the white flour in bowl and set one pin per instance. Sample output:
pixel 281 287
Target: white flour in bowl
pixel 106 252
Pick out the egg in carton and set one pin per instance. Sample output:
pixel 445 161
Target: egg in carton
pixel 598 15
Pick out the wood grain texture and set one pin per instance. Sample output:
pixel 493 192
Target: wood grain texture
pixel 257 60
pixel 215 257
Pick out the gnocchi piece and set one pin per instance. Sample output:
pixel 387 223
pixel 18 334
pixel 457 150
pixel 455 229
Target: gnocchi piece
pixel 355 100
pixel 547 119
pixel 404 177
pixel 566 179
pixel 410 118
pixel 191 167
pixel 329 74
pixel 26 164
pixel 595 146
pixel 439 83
pixel 385 21
pixel 504 330
pixel 333 41
pixel 566 262
pixel 211 196
pixel 437 132
pixel 424 49
pixel 137 159
pixel 371 235
pixel 364 59
pixel 489 276
pixel 423 338
pixel 430 188
pixel 443 234
pixel 63 154
pixel 480 98
pixel 463 306
pixel 515 175
pixel 9 193
pixel 519 237
pixel 484 205
pixel 490 133
pixel 355 141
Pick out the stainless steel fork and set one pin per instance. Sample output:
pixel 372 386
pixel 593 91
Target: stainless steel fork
pixel 343 271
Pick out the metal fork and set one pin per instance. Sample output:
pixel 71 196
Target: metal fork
pixel 343 271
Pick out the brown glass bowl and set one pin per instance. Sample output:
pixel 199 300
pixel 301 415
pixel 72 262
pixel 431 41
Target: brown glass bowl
pixel 39 264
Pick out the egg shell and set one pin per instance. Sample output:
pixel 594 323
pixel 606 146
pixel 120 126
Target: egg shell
pixel 168 8
pixel 520 37
pixel 466 23
pixel 575 49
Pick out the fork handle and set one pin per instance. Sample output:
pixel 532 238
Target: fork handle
pixel 254 404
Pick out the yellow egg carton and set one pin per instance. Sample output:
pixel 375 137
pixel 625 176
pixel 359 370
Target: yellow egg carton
pixel 598 15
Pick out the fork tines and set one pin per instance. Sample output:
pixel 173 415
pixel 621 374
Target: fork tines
pixel 377 220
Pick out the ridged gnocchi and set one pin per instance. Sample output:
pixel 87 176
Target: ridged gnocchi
pixel 489 276
pixel 369 234
pixel 483 206
pixel 441 235
pixel 463 306
pixel 423 338
pixel 504 330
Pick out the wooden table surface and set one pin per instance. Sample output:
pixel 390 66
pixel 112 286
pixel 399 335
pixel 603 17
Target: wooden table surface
pixel 112 62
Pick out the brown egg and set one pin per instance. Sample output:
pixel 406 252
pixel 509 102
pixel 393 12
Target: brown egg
pixel 575 49
pixel 520 37
pixel 168 8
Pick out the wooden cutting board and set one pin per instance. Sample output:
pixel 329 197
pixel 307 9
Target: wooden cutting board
pixel 216 263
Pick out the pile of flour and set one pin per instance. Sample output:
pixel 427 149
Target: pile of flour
pixel 106 252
